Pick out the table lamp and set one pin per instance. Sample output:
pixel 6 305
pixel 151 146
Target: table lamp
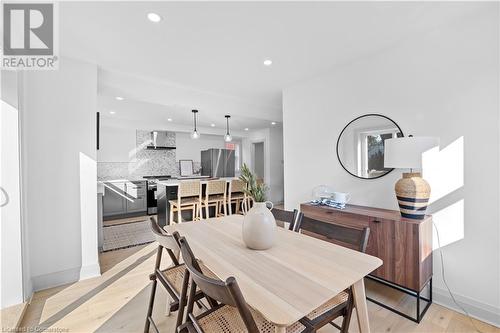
pixel 412 191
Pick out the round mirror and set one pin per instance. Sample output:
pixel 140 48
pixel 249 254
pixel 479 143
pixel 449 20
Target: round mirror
pixel 360 146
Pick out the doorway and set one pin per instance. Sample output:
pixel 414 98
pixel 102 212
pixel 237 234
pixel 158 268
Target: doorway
pixel 258 159
pixel 12 252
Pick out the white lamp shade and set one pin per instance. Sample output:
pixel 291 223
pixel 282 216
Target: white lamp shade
pixel 406 152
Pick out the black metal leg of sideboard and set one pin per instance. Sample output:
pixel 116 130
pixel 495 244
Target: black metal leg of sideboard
pixel 417 294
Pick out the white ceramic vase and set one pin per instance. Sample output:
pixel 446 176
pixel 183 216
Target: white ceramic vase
pixel 259 227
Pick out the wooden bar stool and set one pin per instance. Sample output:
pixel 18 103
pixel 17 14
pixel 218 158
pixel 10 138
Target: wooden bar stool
pixel 188 198
pixel 237 196
pixel 215 196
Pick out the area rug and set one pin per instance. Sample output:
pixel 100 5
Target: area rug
pixel 127 235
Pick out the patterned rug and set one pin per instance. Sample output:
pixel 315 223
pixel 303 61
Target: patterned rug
pixel 126 235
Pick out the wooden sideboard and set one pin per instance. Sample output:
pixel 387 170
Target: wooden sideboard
pixel 405 245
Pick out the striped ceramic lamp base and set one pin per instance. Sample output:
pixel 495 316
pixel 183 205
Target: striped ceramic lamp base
pixel 412 192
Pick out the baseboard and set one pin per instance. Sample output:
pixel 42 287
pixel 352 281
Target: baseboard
pixel 484 312
pixel 60 278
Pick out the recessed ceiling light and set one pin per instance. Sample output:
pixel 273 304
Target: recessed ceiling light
pixel 273 123
pixel 153 17
pixel 169 119
pixel 112 112
pixel 212 125
pixel 268 62
pixel 246 128
pixel 119 98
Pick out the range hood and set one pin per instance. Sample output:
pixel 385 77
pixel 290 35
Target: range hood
pixel 159 141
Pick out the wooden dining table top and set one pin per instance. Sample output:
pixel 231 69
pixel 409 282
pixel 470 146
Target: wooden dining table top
pixel 284 283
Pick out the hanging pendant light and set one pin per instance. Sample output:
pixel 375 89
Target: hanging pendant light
pixel 228 136
pixel 195 134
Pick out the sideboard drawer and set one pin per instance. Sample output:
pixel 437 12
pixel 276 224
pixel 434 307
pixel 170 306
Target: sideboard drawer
pixel 405 246
pixel 326 214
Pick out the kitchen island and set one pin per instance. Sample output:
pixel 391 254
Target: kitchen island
pixel 167 190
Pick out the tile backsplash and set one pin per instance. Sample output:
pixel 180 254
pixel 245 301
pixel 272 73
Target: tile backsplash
pixel 146 163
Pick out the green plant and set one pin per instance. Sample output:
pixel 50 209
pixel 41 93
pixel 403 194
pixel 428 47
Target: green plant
pixel 254 190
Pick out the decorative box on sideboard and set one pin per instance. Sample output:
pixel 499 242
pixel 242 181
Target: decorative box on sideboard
pixel 404 245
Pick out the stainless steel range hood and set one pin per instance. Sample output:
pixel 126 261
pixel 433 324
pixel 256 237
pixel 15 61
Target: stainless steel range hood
pixel 160 141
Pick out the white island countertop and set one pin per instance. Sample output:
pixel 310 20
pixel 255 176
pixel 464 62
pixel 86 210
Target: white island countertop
pixel 203 179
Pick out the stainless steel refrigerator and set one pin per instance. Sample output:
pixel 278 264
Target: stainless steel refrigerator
pixel 217 162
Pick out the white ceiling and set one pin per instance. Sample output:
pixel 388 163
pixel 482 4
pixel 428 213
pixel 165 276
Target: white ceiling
pixel 216 49
pixel 143 115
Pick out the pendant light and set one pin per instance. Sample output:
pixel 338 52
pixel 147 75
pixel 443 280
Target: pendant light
pixel 228 136
pixel 195 134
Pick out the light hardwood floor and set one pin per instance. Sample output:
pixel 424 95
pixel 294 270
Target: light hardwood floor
pixel 117 302
pixel 12 315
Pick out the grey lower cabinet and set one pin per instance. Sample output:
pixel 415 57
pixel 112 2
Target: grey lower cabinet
pixel 124 198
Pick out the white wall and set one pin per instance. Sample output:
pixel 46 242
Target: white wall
pixel 276 164
pixel 59 172
pixel 116 144
pixel 189 149
pixel 443 83
pixel 273 158
pixel 258 159
pixel 11 245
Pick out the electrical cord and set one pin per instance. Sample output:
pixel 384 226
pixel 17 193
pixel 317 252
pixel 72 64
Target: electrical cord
pixel 465 312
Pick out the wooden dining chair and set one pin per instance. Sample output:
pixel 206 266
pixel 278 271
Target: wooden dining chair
pixel 171 278
pixel 231 314
pixel 343 303
pixel 188 198
pixel 215 196
pixel 237 196
pixel 293 218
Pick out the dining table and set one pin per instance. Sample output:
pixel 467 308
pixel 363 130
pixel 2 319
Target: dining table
pixel 286 282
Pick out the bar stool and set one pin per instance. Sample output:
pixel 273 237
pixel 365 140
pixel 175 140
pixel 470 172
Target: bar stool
pixel 237 196
pixel 188 198
pixel 215 196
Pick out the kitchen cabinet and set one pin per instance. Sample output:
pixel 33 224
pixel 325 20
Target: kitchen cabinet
pixel 122 199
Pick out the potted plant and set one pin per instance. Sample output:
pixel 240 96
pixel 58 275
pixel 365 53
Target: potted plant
pixel 259 225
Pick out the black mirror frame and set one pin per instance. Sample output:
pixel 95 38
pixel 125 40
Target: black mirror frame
pixel 342 132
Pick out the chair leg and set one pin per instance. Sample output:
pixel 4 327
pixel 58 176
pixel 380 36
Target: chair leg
pixel 169 300
pixel 347 317
pixel 171 214
pixel 231 207
pixel 247 205
pixel 182 300
pixel 224 203
pixel 150 307
pixel 206 210
pixel 179 215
